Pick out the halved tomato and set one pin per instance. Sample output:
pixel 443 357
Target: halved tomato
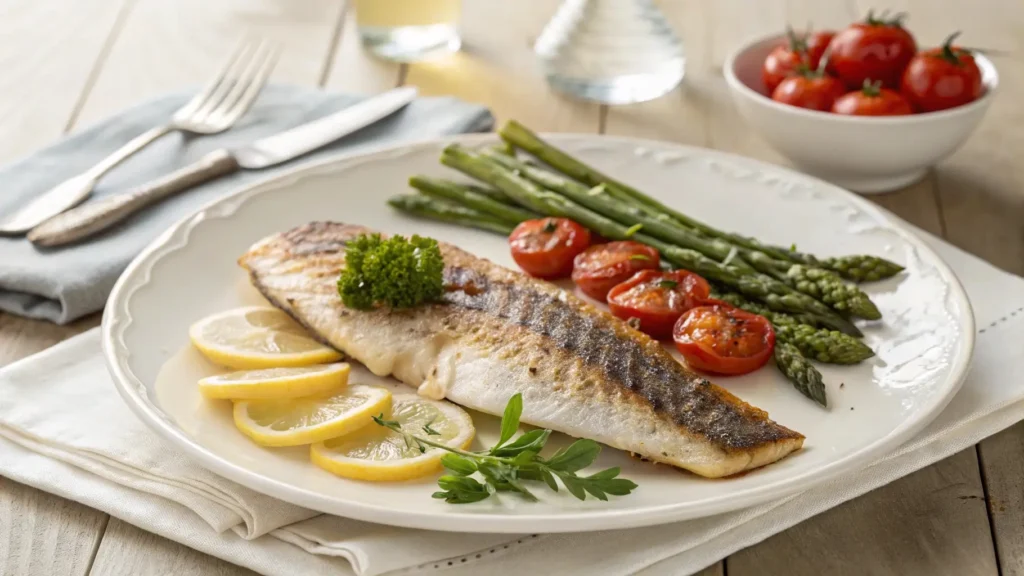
pixel 599 268
pixel 546 247
pixel 657 299
pixel 721 339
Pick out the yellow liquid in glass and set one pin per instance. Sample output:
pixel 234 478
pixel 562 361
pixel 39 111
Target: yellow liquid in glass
pixel 399 13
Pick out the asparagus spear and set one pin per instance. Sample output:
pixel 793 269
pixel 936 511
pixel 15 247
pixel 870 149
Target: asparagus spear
pixel 460 194
pixel 799 370
pixel 821 284
pixel 492 193
pixel 777 295
pixel 857 268
pixel 600 202
pixel 436 209
pixel 827 346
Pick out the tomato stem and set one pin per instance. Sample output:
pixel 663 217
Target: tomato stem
pixel 797 44
pixel 949 53
pixel 803 69
pixel 873 89
pixel 883 19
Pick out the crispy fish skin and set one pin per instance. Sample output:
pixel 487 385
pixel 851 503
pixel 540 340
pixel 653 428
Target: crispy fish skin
pixel 497 332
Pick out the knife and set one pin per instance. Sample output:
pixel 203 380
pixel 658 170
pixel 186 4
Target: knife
pixel 92 217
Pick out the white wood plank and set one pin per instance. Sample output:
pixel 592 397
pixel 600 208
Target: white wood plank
pixel 129 551
pixel 353 69
pixel 1004 482
pixel 497 68
pixel 43 534
pixel 931 522
pixel 47 56
pixel 167 46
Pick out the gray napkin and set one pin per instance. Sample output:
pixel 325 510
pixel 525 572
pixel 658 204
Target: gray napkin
pixel 63 284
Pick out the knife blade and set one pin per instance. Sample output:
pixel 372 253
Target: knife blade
pixel 92 217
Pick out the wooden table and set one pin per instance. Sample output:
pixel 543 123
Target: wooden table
pixel 68 63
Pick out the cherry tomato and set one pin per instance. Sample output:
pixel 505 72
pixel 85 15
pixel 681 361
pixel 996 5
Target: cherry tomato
pixel 876 49
pixel 599 268
pixel 799 51
pixel 811 91
pixel 657 299
pixel 872 100
pixel 942 78
pixel 817 43
pixel 545 247
pixel 724 340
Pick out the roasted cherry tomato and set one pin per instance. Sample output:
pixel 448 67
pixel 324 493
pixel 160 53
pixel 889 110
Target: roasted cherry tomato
pixel 546 247
pixel 724 340
pixel 599 268
pixel 813 91
pixel 942 78
pixel 799 51
pixel 872 100
pixel 657 299
pixel 876 49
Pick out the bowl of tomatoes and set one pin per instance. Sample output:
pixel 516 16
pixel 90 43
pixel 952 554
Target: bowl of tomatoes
pixel 864 107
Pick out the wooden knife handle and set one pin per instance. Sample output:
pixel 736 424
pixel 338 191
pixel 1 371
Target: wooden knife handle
pixel 93 217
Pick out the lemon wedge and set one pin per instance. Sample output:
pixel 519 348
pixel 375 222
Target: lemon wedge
pixel 311 419
pixel 276 383
pixel 257 337
pixel 378 454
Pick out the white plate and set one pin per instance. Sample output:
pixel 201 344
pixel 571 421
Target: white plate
pixel 924 343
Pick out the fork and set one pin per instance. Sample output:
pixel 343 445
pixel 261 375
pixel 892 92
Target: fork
pixel 221 103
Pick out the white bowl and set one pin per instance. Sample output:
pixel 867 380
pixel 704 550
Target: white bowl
pixel 863 154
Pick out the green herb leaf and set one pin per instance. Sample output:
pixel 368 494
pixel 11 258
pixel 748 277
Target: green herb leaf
pixel 518 486
pixel 550 226
pixel 633 230
pixel 605 474
pixel 510 420
pixel 506 468
pixel 549 479
pixel 380 421
pixel 643 257
pixel 574 485
pixel 595 491
pixel 533 440
pixel 667 284
pixel 429 430
pixel 577 456
pixel 458 464
pixel 460 484
pixel 617 486
pixel 525 458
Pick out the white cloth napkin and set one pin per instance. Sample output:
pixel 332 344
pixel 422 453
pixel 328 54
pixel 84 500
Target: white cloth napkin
pixel 63 429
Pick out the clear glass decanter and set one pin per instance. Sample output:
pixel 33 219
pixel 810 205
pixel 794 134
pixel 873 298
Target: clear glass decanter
pixel 611 51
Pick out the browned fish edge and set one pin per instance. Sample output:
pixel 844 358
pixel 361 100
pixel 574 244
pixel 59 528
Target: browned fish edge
pixel 707 410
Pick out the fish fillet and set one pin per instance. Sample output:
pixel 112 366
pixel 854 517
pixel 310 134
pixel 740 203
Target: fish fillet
pixel 581 371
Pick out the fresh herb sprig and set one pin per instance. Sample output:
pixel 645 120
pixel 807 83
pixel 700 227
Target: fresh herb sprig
pixel 510 462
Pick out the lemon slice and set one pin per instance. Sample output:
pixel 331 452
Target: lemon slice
pixel 275 383
pixel 311 419
pixel 257 337
pixel 378 454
